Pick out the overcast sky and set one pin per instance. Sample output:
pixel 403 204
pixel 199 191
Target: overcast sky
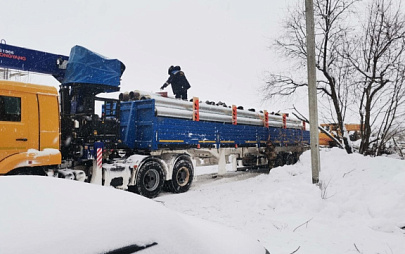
pixel 222 45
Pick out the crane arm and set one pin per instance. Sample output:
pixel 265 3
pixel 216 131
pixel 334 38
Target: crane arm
pixel 24 59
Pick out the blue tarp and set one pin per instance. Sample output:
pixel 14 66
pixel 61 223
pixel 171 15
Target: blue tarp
pixel 87 67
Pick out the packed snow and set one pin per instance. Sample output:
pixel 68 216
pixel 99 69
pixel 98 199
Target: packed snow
pixel 359 209
pixel 51 215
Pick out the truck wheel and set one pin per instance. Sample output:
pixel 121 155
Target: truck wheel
pixel 150 179
pixel 182 177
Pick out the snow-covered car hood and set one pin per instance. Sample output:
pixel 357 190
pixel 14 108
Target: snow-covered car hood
pixel 50 215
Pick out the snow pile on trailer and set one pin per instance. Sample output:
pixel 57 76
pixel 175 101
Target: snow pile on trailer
pixel 87 67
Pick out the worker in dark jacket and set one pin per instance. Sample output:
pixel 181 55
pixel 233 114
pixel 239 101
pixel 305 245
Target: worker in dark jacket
pixel 178 81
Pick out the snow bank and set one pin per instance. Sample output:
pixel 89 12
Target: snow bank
pixel 51 215
pixel 361 207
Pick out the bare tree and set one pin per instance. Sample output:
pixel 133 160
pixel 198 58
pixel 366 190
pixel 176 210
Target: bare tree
pixel 390 127
pixel 331 32
pixel 378 57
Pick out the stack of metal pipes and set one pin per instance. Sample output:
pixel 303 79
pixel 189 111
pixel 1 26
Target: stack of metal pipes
pixel 170 107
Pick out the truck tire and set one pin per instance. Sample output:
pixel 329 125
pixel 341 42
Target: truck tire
pixel 36 171
pixel 150 179
pixel 182 177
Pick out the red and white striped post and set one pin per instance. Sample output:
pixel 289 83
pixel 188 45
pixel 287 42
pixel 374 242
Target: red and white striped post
pixel 97 174
pixel 99 158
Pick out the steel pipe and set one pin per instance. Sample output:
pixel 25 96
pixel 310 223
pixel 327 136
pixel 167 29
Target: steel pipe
pixel 184 109
pixel 205 116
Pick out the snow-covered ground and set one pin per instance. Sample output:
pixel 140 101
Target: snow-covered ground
pixel 360 209
pixel 58 216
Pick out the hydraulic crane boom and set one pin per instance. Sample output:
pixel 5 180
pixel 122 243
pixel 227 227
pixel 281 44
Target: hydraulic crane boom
pixel 83 66
pixel 18 58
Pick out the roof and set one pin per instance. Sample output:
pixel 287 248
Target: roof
pixel 27 87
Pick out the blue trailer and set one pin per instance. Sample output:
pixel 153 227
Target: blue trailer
pixel 142 129
pixel 167 143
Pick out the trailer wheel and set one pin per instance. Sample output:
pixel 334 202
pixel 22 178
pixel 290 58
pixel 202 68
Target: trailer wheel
pixel 290 159
pixel 279 161
pixel 182 177
pixel 150 179
pixel 296 157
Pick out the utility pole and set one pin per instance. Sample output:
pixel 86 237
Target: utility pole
pixel 312 94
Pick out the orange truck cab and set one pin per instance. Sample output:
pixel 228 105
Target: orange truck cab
pixel 29 128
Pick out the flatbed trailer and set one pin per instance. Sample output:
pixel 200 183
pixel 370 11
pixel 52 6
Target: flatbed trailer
pixel 142 128
pixel 171 137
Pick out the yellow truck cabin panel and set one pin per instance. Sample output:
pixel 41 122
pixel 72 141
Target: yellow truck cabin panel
pixel 29 121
